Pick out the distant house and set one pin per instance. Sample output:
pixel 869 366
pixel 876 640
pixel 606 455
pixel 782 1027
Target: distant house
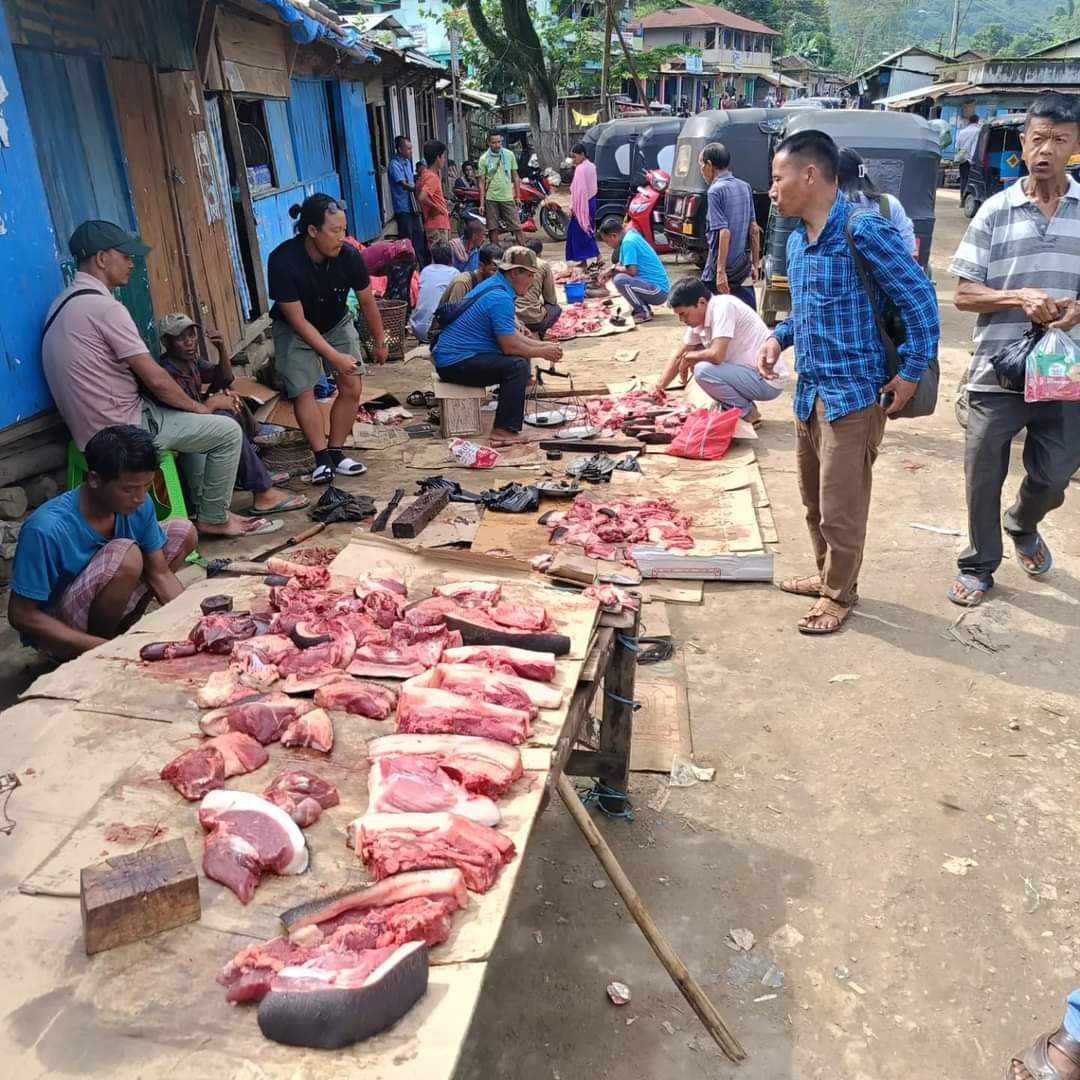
pixel 1063 50
pixel 730 52
pixel 908 69
pixel 812 79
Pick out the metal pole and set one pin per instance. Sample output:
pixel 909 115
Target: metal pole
pixel 605 66
pixel 954 33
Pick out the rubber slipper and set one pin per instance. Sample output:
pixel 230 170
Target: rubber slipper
pixel 416 398
pixel 262 527
pixel 290 502
pixel 323 474
pixel 348 466
pixel 973 583
pixel 1044 564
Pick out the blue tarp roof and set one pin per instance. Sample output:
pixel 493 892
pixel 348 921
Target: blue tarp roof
pixel 305 29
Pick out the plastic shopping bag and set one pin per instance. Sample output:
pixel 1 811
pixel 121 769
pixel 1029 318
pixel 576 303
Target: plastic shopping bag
pixel 472 455
pixel 1052 371
pixel 1010 363
pixel 705 435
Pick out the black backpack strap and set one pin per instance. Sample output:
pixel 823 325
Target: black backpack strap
pixel 867 279
pixel 63 304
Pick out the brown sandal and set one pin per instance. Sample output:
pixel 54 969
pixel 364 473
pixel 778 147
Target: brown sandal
pixel 802 586
pixel 1036 1058
pixel 825 608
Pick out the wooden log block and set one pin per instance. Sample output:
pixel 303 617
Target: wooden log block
pixel 411 521
pixel 134 896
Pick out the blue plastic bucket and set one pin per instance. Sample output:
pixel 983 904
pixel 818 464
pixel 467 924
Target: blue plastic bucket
pixel 575 291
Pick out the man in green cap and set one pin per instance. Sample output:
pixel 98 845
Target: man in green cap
pixel 95 362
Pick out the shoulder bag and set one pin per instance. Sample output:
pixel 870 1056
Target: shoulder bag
pixel 892 332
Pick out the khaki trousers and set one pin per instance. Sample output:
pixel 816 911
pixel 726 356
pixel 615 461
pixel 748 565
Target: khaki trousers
pixel 835 462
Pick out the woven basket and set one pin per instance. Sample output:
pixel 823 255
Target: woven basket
pixel 288 457
pixel 394 314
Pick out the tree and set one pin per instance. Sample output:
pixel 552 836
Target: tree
pixel 991 39
pixel 1030 42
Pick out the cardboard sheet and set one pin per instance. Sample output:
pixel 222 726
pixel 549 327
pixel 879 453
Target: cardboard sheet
pixel 661 725
pixel 434 457
pixel 456 523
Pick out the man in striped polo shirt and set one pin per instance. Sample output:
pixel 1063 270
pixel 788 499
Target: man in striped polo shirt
pixel 1018 264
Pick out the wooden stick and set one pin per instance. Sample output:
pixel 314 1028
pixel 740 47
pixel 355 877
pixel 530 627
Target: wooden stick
pixel 687 984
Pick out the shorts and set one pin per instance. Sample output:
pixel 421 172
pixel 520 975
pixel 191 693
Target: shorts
pixel 437 236
pixel 502 216
pixel 299 367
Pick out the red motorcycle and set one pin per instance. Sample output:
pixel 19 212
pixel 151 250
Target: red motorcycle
pixel 534 196
pixel 646 210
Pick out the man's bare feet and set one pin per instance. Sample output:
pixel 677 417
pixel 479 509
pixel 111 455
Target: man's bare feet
pixel 753 416
pixel 505 437
pixel 234 525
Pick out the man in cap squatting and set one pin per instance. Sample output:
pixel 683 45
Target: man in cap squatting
pixel 95 363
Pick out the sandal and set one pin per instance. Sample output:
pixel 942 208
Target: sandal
pixel 1044 563
pixel 825 609
pixel 1036 1058
pixel 971 583
pixel 417 398
pixel 290 502
pixel 802 586
pixel 348 466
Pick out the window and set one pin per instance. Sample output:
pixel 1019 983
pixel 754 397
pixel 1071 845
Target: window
pixel 710 38
pixel 727 39
pixel 686 38
pixel 255 140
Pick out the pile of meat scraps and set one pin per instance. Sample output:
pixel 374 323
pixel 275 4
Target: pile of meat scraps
pixel 584 318
pixel 610 529
pixel 657 408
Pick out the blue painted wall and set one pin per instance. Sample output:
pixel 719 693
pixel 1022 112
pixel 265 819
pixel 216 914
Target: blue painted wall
pixel 273 225
pixel 357 168
pixel 28 266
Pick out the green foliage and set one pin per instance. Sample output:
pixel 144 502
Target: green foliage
pixel 991 39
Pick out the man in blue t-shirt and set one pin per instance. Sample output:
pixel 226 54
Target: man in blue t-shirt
pixel 636 269
pixel 87 560
pixel 402 176
pixel 480 343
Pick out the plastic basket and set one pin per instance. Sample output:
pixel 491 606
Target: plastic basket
pixel 394 313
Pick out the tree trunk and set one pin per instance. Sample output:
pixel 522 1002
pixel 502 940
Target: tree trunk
pixel 544 121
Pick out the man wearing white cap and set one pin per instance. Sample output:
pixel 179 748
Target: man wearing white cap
pixel 480 345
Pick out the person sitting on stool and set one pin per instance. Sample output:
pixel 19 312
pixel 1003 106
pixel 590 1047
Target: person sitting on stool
pixel 721 346
pixel 480 345
pixel 636 269
pixel 538 309
pixel 88 560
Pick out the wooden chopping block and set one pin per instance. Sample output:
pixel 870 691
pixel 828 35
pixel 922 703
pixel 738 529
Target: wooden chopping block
pixel 136 895
pixel 576 568
pixel 411 521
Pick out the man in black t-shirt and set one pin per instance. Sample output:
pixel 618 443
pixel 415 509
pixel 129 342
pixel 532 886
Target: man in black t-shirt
pixel 310 278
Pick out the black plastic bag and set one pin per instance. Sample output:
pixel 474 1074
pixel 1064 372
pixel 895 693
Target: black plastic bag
pixel 1010 363
pixel 596 469
pixel 512 499
pixel 337 505
pixel 457 492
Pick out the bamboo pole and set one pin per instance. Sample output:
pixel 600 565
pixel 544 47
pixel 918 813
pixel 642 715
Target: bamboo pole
pixel 605 65
pixel 687 984
pixel 643 100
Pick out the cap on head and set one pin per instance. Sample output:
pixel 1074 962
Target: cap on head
pixel 175 324
pixel 518 258
pixel 94 236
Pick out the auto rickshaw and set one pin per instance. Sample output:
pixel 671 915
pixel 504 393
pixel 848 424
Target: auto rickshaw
pixel 622 151
pixel 747 134
pixel 996 162
pixel 902 153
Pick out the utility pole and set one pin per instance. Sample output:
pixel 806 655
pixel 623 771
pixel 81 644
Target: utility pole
pixel 642 99
pixel 461 141
pixel 954 33
pixel 605 66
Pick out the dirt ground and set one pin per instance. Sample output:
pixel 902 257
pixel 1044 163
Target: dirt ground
pixel 835 805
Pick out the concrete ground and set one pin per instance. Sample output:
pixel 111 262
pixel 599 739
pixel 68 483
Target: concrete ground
pixel 834 807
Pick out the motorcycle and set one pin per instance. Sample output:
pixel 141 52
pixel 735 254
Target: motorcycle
pixel 534 202
pixel 646 210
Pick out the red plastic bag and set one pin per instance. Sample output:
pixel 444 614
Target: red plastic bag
pixel 705 435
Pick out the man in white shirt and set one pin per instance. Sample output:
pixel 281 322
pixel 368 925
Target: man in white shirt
pixel 434 279
pixel 966 138
pixel 722 341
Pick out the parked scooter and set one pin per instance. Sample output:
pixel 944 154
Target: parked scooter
pixel 535 202
pixel 646 209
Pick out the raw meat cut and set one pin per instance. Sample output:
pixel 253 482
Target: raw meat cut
pixel 433 611
pixel 338 999
pixel 195 772
pixel 584 317
pixel 358 697
pixel 399 661
pixel 426 884
pixel 263 719
pixel 611 597
pixel 610 413
pixel 305 684
pixel 426 710
pixel 248 835
pixel 241 753
pixel 302 795
pixel 522 662
pixel 167 650
pixel 217 633
pixel 470 593
pixel 385 606
pixel 247 976
pixel 337 653
pixel 484 766
pixel 608 530
pixel 408 785
pixel 381 578
pixel 497 687
pixel 307 577
pixel 222 688
pixel 269 648
pixel 389 843
pixel 520 616
pixel 313 729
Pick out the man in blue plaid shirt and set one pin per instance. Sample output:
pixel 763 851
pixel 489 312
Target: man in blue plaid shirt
pixel 840 362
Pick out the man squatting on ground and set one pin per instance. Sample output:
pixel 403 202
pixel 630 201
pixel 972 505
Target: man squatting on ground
pixel 841 361
pixel 88 560
pixel 1018 264
pixel 720 349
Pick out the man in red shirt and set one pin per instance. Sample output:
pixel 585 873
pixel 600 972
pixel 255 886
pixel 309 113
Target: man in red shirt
pixel 429 194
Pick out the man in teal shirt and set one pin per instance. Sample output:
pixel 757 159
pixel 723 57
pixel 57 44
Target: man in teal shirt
pixel 636 269
pixel 497 169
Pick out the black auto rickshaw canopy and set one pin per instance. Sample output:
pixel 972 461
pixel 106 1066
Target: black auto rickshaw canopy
pixel 623 150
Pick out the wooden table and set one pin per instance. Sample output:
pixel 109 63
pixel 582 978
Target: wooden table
pixel 86 742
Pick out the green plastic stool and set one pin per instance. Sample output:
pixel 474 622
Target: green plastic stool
pixel 168 474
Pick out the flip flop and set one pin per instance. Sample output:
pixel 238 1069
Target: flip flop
pixel 973 583
pixel 1044 563
pixel 263 527
pixel 416 398
pixel 290 502
pixel 1036 1058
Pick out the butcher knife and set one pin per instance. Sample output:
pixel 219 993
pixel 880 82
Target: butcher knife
pixel 384 516
pixel 256 565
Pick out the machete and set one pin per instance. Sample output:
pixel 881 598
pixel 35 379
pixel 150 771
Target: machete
pixel 384 515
